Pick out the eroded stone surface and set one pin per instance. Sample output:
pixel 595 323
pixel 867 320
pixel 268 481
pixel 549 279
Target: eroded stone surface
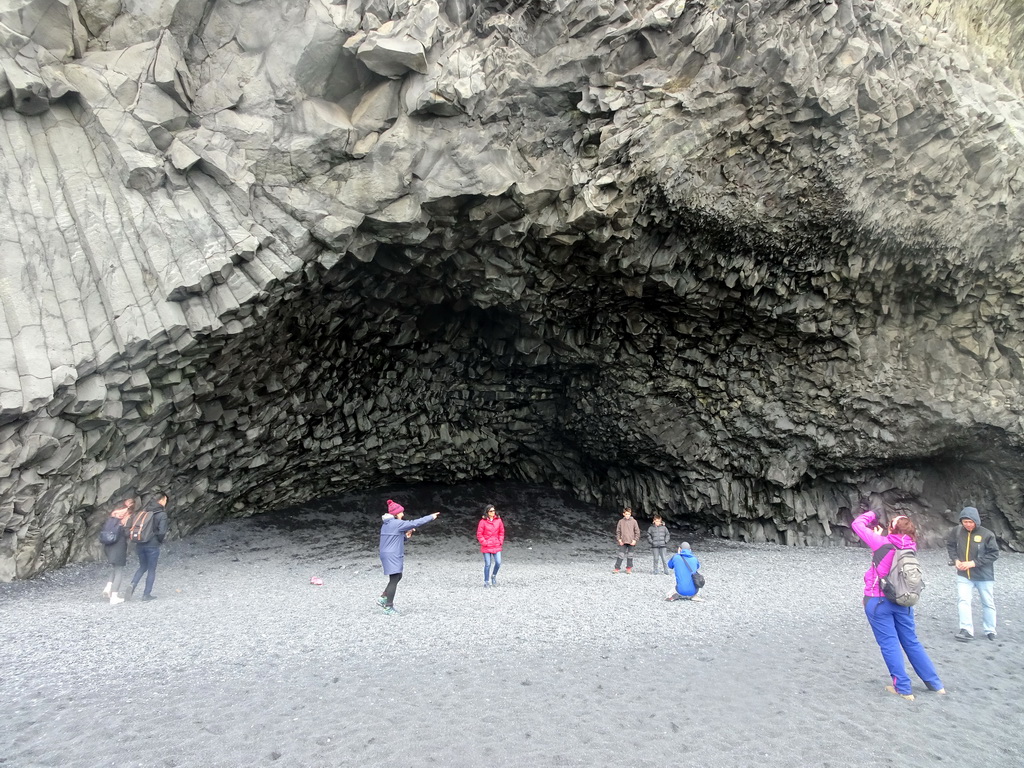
pixel 742 262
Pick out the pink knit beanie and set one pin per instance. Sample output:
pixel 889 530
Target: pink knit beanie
pixel 395 508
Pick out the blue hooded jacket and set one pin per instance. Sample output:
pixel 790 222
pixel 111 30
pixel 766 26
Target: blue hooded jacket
pixel 684 584
pixel 392 541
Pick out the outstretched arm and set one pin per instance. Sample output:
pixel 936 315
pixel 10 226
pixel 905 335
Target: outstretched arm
pixel 408 525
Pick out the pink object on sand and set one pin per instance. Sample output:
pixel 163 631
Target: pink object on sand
pixel 317 581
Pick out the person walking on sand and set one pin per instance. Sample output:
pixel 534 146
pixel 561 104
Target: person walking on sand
pixel 893 624
pixel 117 552
pixel 394 530
pixel 490 532
pixel 627 534
pixel 154 514
pixel 659 537
pixel 973 550
pixel 685 564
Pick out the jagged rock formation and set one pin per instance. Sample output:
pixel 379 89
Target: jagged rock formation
pixel 743 262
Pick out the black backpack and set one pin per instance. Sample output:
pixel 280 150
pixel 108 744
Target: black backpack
pixel 110 533
pixel 140 529
pixel 905 580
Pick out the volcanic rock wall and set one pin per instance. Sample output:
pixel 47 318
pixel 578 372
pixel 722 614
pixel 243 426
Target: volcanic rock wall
pixel 739 262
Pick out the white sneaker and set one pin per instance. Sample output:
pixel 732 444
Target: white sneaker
pixel 696 599
pixel 115 600
pixel 106 589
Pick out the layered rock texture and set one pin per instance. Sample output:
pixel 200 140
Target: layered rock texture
pixel 742 263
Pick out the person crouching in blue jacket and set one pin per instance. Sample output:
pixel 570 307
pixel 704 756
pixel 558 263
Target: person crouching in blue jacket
pixel 685 564
pixel 394 530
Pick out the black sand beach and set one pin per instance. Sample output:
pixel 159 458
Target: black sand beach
pixel 241 662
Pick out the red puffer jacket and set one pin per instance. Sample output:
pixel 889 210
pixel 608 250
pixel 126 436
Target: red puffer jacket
pixel 491 535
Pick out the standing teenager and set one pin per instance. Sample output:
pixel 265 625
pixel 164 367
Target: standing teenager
pixel 394 530
pixel 490 532
pixel 627 534
pixel 659 538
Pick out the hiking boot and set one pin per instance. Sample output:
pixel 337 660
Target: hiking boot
pixel 106 589
pixel 148 597
pixel 991 635
pixel 907 696
pixel 964 636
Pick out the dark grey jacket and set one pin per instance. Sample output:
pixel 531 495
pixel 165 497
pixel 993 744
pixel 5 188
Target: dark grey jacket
pixel 979 545
pixel 658 536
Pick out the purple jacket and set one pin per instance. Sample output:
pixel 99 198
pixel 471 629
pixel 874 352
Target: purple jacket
pixel 862 527
pixel 392 541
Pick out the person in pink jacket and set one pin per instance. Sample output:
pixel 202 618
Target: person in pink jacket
pixel 490 532
pixel 893 624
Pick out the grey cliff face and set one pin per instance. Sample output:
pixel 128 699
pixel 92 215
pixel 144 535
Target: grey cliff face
pixel 739 262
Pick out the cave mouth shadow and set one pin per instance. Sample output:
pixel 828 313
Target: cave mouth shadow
pixel 533 514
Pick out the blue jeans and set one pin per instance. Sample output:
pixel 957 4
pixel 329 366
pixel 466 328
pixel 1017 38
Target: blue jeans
pixel 659 554
pixel 965 591
pixel 148 555
pixel 489 560
pixel 894 630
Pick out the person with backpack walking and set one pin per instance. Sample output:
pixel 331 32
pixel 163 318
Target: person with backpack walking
pixel 148 528
pixel 973 550
pixel 688 581
pixel 114 539
pixel 659 537
pixel 627 534
pixel 394 530
pixel 892 623
pixel 490 532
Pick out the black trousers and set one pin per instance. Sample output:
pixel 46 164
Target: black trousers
pixel 625 550
pixel 389 591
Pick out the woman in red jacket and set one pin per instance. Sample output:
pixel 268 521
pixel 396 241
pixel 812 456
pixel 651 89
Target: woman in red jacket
pixel 490 532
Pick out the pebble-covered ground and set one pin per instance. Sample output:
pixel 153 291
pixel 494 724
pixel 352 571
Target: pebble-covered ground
pixel 242 662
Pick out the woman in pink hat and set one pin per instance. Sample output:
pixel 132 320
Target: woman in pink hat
pixel 394 530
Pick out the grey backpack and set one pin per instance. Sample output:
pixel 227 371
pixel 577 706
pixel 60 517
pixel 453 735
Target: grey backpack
pixel 905 580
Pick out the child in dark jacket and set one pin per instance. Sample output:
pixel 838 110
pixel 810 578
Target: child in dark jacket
pixel 659 537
